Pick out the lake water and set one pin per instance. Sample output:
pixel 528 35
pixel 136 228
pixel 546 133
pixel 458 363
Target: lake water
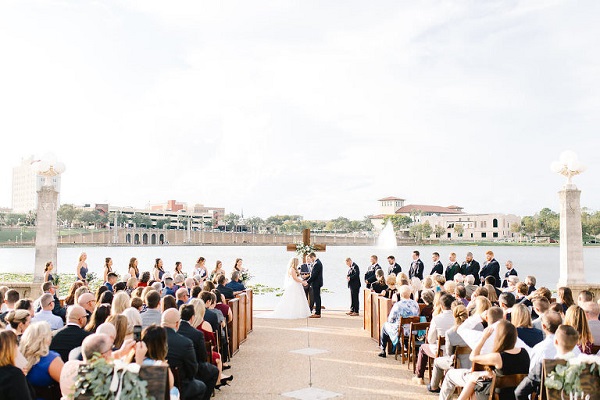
pixel 268 264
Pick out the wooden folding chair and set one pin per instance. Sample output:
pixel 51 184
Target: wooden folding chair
pixel 441 342
pixel 504 382
pixel 402 346
pixel 414 343
pixel 460 350
pixel 208 344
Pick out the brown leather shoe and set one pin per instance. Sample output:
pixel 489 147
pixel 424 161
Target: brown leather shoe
pixel 315 316
pixel 354 314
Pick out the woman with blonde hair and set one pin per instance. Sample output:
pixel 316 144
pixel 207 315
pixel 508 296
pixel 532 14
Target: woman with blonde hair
pixel 133 319
pixel 575 316
pixel 203 326
pixel 428 282
pixel 82 267
pixel 391 286
pixel 44 365
pixel 121 324
pixel 18 321
pixel 520 317
pixel 13 384
pixel 120 302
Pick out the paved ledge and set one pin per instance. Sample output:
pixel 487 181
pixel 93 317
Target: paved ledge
pixel 332 354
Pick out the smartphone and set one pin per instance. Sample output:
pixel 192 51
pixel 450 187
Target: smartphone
pixel 137 333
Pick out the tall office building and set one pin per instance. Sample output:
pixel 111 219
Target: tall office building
pixel 25 185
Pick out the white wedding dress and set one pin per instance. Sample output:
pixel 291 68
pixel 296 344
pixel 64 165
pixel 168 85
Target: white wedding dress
pixel 293 303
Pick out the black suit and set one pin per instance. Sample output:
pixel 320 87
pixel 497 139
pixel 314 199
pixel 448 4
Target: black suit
pixel 438 268
pixel 370 274
pixel 506 275
pixel 211 317
pixel 416 269
pixel 207 372
pixel 225 291
pixel 395 268
pixel 316 282
pixel 471 268
pixel 66 339
pixel 181 355
pixel 491 269
pixel 354 285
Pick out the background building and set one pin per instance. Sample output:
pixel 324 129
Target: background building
pixel 25 184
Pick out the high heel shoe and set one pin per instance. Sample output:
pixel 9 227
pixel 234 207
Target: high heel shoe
pixel 225 381
pixel 226 367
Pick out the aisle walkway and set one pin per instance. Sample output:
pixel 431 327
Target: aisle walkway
pixel 331 357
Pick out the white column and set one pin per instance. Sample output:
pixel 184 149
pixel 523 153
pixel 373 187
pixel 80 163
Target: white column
pixel 46 232
pixel 571 238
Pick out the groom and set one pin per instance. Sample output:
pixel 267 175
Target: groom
pixel 316 282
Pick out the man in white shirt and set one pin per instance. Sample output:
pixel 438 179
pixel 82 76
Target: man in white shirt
pixel 47 304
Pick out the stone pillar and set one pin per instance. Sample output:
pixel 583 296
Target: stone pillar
pixel 46 232
pixel 571 238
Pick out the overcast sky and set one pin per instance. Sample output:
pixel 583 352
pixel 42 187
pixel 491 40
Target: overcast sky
pixel 316 108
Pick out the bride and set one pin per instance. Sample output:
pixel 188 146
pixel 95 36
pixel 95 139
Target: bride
pixel 293 303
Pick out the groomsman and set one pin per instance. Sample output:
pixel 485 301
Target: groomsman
pixel 510 271
pixel 370 274
pixel 353 278
pixel 438 267
pixel 490 268
pixel 453 268
pixel 394 267
pixel 470 266
pixel 416 267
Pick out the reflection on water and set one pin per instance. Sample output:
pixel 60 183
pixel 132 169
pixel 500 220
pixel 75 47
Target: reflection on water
pixel 268 263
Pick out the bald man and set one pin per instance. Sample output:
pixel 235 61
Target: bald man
pixel 88 302
pixel 72 335
pixel 181 355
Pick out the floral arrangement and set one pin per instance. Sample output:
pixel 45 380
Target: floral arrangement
pixel 245 276
pixel 55 279
pixel 101 380
pixel 567 377
pixel 90 277
pixel 302 249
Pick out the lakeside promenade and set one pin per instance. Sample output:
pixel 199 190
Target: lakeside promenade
pixel 331 357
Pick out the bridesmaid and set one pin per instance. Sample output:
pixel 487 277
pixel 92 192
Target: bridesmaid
pixel 82 267
pixel 158 270
pixel 133 268
pixel 178 269
pixel 200 269
pixel 48 272
pixel 218 270
pixel 108 262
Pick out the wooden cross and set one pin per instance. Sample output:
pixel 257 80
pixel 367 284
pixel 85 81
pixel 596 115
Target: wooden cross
pixel 306 242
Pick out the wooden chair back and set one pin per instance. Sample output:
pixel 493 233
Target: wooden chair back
pixel 402 347
pixel 503 382
pixel 441 342
pixel 460 350
pixel 208 344
pixel 595 349
pixel 414 343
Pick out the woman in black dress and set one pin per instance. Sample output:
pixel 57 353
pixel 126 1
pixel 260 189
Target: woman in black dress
pixel 13 384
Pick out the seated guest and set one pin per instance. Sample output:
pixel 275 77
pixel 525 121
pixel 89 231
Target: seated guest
pixel 584 296
pixel 45 314
pixel 592 310
pixel 49 288
pixel 539 306
pixel 133 318
pixel 169 289
pixel 405 307
pixel 120 302
pixel 43 364
pixel 379 285
pixel 541 351
pixel 10 298
pixel 182 296
pixel 453 339
pixel 88 302
pixel 98 317
pixel 121 324
pixel 227 292
pixel 155 338
pixel 25 304
pixel 18 321
pixel 181 355
pixel 210 316
pixel 391 286
pixel 506 358
pixel 470 286
pixel 530 281
pixel 207 373
pixel 461 294
pixel 506 301
pixel 167 302
pixel 564 296
pixel 107 298
pixel 521 319
pixel 440 323
pixel 111 279
pixel 13 384
pixel 235 283
pixel 153 313
pixel 492 294
pixel 199 323
pixel 575 316
pixel 92 345
pixel 72 335
pixel 70 299
pixel 427 296
pixel 136 303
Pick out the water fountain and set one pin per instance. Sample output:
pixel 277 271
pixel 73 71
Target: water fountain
pixel 387 237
